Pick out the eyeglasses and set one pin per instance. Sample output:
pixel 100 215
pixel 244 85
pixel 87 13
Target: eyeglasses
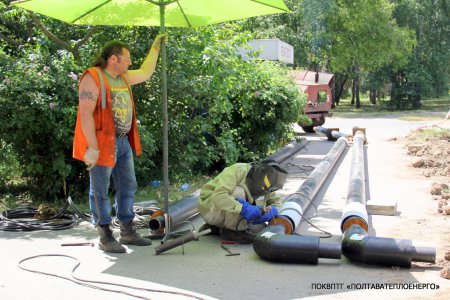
pixel 129 59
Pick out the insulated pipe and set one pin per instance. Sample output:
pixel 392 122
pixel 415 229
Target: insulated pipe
pixel 179 212
pixel 332 134
pixel 292 210
pixel 356 195
pixel 356 244
pixel 273 244
pixel 337 134
pixel 287 151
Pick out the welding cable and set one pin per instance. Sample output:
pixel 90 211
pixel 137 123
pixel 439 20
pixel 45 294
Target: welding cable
pixel 84 216
pixel 138 221
pixel 141 217
pixel 91 283
pixel 304 169
pixel 327 234
pixel 310 202
pixel 22 219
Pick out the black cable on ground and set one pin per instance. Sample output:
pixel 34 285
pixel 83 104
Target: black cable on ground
pixel 141 218
pixel 84 216
pixel 90 283
pixel 23 219
pixel 316 210
pixel 302 169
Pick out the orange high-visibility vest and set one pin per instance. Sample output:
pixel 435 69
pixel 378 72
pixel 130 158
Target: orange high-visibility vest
pixel 104 126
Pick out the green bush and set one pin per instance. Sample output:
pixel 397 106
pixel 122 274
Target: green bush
pixel 9 167
pixel 38 110
pixel 222 107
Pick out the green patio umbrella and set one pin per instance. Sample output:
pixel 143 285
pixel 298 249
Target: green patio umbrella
pixel 162 13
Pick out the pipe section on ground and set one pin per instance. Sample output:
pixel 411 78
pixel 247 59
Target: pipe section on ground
pixel 287 151
pixel 274 245
pixel 293 209
pixel 178 213
pixel 356 244
pixel 355 206
pixel 332 134
pixel 276 242
pixel 190 236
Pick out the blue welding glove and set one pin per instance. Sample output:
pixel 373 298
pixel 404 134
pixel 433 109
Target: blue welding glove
pixel 249 212
pixel 267 216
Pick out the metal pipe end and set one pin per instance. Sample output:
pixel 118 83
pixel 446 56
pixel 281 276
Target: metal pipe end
pixel 347 222
pixel 156 223
pixel 361 133
pixel 330 250
pixel 424 254
pixel 285 222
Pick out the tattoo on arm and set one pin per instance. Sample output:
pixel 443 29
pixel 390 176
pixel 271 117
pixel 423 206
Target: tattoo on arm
pixel 86 95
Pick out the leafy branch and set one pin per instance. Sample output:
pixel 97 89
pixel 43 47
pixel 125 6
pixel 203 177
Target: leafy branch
pixel 72 49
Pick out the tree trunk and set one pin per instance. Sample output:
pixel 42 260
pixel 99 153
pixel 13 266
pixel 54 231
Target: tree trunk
pixel 373 96
pixel 358 102
pixel 339 90
pixel 356 86
pixel 353 92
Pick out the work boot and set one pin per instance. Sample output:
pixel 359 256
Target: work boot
pixel 107 241
pixel 241 237
pixel 214 229
pixel 129 236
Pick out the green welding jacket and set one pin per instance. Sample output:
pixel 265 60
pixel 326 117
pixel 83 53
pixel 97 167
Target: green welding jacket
pixel 218 192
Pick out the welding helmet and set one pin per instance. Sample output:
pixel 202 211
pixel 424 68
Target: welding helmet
pixel 265 177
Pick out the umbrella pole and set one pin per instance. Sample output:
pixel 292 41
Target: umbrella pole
pixel 165 126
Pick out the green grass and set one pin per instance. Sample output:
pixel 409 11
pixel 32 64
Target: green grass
pixel 428 134
pixel 432 109
pixel 151 193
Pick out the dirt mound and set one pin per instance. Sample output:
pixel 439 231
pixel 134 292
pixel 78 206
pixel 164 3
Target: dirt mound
pixel 431 152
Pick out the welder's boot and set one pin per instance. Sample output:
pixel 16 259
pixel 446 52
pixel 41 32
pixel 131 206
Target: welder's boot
pixel 241 237
pixel 129 236
pixel 107 241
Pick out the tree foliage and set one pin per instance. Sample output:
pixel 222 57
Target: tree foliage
pixel 429 65
pixel 357 40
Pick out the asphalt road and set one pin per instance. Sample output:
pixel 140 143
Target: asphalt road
pixel 201 269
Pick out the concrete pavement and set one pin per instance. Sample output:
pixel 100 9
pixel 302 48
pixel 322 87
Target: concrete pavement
pixel 202 269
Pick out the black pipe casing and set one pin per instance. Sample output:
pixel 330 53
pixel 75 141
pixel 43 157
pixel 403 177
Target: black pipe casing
pixel 357 246
pixel 272 244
